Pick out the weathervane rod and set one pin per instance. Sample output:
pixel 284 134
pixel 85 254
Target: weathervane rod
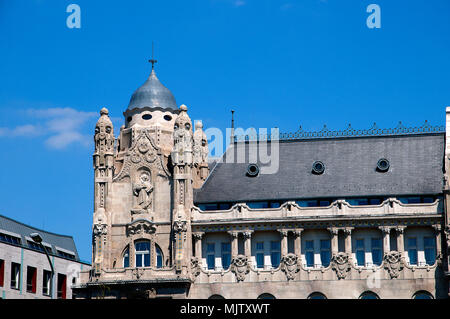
pixel 152 60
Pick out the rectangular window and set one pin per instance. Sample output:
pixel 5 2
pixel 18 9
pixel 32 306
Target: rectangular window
pixel 65 255
pixel 360 252
pixel 258 205
pixel 275 253
pixel 46 283
pixel 325 252
pixel 62 284
pixel 15 276
pixel 2 272
pixel 260 255
pixel 309 253
pixel 412 250
pixel 210 255
pixel 226 255
pixel 429 244
pixel 377 250
pixel 31 279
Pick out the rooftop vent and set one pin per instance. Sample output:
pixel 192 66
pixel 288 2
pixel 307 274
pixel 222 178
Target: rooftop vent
pixel 252 170
pixel 318 167
pixel 383 165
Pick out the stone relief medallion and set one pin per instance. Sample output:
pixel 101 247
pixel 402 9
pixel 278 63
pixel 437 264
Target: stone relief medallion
pixel 135 158
pixel 393 263
pixel 143 146
pixel 150 157
pixel 341 265
pixel 240 267
pixel 289 265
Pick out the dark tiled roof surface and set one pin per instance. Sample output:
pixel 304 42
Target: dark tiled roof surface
pixel 416 167
pixel 61 241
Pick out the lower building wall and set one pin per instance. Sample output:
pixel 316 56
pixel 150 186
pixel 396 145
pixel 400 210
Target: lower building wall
pixel 334 289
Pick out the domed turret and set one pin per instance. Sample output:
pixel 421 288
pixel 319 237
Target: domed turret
pixel 153 94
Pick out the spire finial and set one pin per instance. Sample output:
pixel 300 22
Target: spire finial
pixel 152 60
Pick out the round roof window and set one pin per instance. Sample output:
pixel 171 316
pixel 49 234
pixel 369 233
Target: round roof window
pixel 252 170
pixel 318 167
pixel 383 165
pixel 147 116
pixel 167 117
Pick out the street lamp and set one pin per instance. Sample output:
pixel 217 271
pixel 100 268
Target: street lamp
pixel 38 240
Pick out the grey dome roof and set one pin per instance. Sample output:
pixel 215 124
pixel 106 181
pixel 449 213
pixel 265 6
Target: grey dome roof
pixel 153 94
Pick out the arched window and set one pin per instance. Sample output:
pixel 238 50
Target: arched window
pixel 423 295
pixel 369 295
pixel 266 296
pixel 159 257
pixel 142 249
pixel 126 258
pixel 317 295
pixel 216 297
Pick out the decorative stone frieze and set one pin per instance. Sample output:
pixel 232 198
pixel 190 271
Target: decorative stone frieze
pixel 141 226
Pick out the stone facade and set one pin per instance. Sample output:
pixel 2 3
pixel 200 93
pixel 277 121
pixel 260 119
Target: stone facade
pixel 150 240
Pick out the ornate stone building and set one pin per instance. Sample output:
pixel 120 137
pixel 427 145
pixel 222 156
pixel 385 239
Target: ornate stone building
pixel 348 214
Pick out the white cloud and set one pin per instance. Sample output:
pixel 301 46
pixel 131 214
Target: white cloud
pixel 61 126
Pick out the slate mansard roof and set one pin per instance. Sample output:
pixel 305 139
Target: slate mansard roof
pixel 416 168
pixel 56 241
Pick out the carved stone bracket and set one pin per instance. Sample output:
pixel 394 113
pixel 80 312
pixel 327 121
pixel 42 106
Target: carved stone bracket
pixel 138 272
pixel 393 263
pixel 180 226
pixel 289 265
pixel 100 229
pixel 195 267
pixel 340 264
pixel 240 267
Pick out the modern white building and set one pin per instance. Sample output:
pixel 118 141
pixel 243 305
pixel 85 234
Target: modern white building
pixel 25 270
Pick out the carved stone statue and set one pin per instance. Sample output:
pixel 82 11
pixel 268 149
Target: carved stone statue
pixel 143 191
pixel 182 136
pixel 104 138
pixel 200 145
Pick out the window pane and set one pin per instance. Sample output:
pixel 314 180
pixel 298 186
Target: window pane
pixel 412 254
pixel 309 259
pixel 210 248
pixel 226 260
pixel 226 247
pixel 275 245
pixel 260 260
pixel 309 244
pixel 147 260
pixel 210 261
pixel 360 257
pixel 325 257
pixel 138 260
pixel 325 244
pixel 275 259
pixel 260 246
pixel 360 243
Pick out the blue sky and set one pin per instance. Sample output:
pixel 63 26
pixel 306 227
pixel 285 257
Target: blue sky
pixel 277 63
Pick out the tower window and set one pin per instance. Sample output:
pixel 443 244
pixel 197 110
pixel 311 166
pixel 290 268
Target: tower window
pixel 147 117
pixel 129 118
pixel 168 117
pixel 143 253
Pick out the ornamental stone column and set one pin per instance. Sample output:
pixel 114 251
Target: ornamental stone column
pixel 348 240
pixel 247 243
pixel 284 241
pixel 334 240
pixel 198 244
pixel 298 242
pixel 234 243
pixel 386 231
pixel 437 231
pixel 400 239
